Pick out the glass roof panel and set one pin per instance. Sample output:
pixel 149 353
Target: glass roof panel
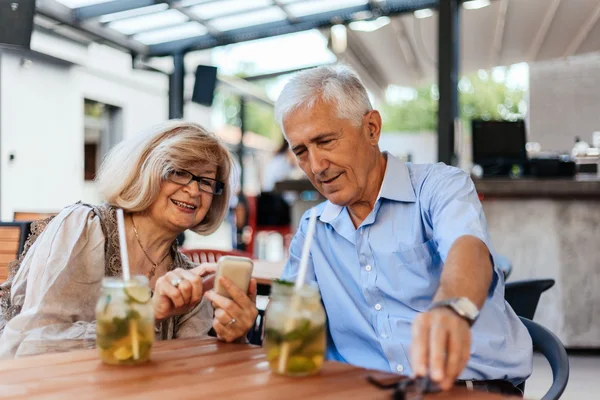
pixel 252 18
pixel 310 7
pixel 183 31
pixel 80 3
pixel 133 25
pixel 289 1
pixel 188 3
pixel 133 12
pixel 223 7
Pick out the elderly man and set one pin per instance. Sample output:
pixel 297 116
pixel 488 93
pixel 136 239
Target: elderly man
pixel 401 252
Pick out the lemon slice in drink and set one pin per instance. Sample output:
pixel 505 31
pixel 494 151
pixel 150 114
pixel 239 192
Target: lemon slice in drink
pixel 123 353
pixel 138 294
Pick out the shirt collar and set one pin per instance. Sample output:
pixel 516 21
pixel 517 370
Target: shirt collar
pixel 397 185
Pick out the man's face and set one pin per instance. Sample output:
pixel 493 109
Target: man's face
pixel 335 154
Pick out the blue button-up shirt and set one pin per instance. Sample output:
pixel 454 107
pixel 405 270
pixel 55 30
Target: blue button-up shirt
pixel 375 279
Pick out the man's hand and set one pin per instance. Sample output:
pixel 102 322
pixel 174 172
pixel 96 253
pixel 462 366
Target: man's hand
pixel 441 346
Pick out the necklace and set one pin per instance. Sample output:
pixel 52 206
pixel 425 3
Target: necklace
pixel 154 265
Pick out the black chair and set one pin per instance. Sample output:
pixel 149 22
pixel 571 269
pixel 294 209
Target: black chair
pixel 554 351
pixel 523 296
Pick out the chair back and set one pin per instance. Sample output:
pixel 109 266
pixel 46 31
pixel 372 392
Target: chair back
pixel 210 255
pixel 523 296
pixel 12 239
pixel 28 216
pixel 551 347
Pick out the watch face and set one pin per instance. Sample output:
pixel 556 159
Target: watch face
pixel 467 308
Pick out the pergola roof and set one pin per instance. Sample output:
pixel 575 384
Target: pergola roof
pixel 158 28
pixel 503 33
pixel 402 52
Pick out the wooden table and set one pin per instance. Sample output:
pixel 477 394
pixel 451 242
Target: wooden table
pixel 187 369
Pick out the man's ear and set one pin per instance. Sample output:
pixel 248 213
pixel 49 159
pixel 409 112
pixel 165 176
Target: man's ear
pixel 372 120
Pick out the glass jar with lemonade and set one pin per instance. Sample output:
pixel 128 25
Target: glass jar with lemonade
pixel 125 321
pixel 295 336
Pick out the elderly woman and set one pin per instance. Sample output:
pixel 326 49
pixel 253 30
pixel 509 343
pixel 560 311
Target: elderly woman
pixel 168 179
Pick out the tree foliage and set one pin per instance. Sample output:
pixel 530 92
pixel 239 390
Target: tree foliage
pixel 480 97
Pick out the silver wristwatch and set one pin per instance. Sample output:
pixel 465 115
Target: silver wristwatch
pixel 462 306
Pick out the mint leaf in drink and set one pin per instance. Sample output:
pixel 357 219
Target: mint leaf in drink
pixel 283 282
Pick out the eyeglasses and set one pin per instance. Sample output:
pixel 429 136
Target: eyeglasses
pixel 184 178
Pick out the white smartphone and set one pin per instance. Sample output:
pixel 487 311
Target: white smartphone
pixel 237 269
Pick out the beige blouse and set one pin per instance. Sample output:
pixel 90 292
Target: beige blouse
pixel 54 292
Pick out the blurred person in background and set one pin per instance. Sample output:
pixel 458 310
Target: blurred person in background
pixel 279 168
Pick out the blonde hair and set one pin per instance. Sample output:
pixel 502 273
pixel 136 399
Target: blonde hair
pixel 132 172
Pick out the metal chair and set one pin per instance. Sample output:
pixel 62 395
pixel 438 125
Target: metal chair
pixel 554 351
pixel 523 296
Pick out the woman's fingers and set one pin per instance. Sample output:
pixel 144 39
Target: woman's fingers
pixel 165 287
pixel 178 280
pixel 233 317
pixel 194 282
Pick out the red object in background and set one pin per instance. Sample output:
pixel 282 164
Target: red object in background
pixel 282 230
pixel 209 255
pixel 481 197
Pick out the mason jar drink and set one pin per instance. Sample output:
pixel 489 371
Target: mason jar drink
pixel 295 337
pixel 125 321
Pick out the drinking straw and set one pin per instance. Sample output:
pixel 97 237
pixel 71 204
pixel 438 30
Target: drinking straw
pixel 123 245
pixel 135 345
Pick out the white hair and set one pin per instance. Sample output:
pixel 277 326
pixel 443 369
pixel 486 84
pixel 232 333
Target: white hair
pixel 337 85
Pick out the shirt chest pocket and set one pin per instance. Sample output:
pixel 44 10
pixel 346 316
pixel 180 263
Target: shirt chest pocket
pixel 414 274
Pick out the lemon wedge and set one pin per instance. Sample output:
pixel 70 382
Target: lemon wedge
pixel 138 294
pixel 123 353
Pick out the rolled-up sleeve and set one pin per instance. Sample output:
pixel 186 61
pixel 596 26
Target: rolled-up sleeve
pixel 455 211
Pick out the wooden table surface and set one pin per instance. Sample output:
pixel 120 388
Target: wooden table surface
pixel 187 369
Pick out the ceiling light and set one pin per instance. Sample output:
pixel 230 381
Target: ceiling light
pixel 475 4
pixel 369 26
pixel 424 13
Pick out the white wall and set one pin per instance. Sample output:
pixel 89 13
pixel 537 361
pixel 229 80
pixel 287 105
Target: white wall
pixel 422 146
pixel 41 123
pixel 563 101
pixel 41 118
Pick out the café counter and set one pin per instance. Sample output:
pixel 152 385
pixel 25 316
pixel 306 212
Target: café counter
pixel 550 228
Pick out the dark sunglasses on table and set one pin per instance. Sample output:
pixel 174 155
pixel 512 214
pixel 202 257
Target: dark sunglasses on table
pixel 407 388
pixel 184 178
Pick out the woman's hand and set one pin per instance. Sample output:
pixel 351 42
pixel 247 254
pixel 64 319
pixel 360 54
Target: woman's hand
pixel 180 290
pixel 233 317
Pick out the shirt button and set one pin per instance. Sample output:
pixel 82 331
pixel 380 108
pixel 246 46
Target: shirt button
pixel 383 336
pixel 368 268
pixel 378 306
pixel 399 368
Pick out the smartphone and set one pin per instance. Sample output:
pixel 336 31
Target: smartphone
pixel 237 269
